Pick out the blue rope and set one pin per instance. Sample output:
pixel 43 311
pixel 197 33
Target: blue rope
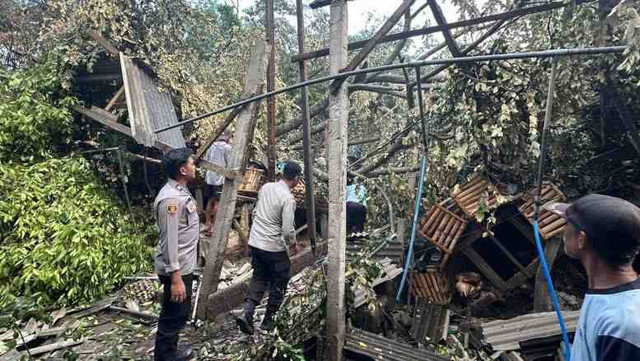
pixel 552 291
pixel 416 210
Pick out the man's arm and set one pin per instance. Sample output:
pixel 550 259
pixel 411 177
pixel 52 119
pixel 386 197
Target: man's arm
pixel 168 216
pixel 288 222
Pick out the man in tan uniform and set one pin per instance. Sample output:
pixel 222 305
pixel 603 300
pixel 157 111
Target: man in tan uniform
pixel 176 259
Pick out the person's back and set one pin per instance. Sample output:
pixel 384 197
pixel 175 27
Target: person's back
pixel 604 233
pixel 268 231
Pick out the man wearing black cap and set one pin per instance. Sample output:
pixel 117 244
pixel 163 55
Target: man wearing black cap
pixel 176 259
pixel 604 234
pixel 272 233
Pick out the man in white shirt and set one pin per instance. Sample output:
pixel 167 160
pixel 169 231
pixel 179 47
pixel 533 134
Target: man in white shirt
pixel 218 154
pixel 272 233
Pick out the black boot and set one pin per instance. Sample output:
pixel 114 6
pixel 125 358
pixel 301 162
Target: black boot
pixel 184 353
pixel 245 320
pixel 269 321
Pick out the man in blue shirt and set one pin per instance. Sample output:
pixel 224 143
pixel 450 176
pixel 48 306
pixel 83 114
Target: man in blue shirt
pixel 356 206
pixel 604 234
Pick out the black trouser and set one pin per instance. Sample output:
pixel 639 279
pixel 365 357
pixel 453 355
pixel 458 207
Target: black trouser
pixel 356 217
pixel 173 317
pixel 271 271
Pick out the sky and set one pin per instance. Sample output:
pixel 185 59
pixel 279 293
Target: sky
pixel 360 9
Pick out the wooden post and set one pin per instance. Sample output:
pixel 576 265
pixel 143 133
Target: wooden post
pixel 271 101
pixel 338 114
pixel 306 134
pixel 541 297
pixel 245 125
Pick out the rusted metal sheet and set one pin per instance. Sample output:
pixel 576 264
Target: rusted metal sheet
pixel 148 108
pixel 430 322
pixel 470 195
pixel 443 228
pixel 380 348
pixel 507 335
pixel 550 223
pixel 431 285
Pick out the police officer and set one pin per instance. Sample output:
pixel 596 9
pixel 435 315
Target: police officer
pixel 178 226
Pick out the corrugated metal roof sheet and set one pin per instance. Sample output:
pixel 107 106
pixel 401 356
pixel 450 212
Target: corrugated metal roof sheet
pixel 392 250
pixel 380 348
pixel 148 108
pixel 506 335
pixel 429 321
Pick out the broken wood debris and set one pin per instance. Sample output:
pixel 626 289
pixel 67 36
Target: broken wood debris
pixel 550 223
pixel 475 192
pixel 443 228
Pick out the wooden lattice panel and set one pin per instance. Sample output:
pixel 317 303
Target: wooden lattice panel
pixel 431 285
pixel 251 181
pixel 442 228
pixel 550 223
pixel 299 193
pixel 469 195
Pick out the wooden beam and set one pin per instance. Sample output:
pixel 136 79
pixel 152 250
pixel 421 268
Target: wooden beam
pixel 338 115
pixel 306 133
pixel 105 44
pixel 246 123
pixel 271 101
pixel 434 29
pixel 446 32
pixel 103 117
pixel 115 99
pixel 371 43
pixel 541 297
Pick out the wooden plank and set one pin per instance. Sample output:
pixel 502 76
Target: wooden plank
pixel 372 42
pixel 100 117
pixel 446 32
pixel 271 101
pixel 484 267
pixel 115 99
pixel 306 133
pixel 226 172
pixel 247 118
pixel 105 44
pixel 337 153
pixel 542 299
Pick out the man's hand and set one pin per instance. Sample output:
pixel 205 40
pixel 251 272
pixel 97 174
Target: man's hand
pixel 178 291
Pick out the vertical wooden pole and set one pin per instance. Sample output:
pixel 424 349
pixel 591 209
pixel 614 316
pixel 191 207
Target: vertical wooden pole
pixel 338 114
pixel 271 101
pixel 214 252
pixel 306 134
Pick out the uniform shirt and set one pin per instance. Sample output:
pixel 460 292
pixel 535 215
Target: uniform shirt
pixel 178 228
pixel 218 154
pixel 357 193
pixel 273 216
pixel 609 325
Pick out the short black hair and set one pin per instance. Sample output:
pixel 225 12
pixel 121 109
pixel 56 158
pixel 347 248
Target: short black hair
pixel 174 159
pixel 291 170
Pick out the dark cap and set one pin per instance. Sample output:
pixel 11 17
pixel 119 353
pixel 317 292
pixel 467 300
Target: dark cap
pixel 612 225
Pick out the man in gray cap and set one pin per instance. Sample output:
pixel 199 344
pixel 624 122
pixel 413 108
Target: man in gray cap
pixel 176 258
pixel 604 234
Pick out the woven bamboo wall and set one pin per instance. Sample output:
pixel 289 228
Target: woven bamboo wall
pixel 442 228
pixel 431 285
pixel 252 181
pixel 550 223
pixel 469 195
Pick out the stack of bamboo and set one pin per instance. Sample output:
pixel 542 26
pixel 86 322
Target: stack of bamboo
pixel 431 285
pixel 442 228
pixel 469 195
pixel 251 181
pixel 550 223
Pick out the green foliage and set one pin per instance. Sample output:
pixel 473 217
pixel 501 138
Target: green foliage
pixel 64 236
pixel 34 120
